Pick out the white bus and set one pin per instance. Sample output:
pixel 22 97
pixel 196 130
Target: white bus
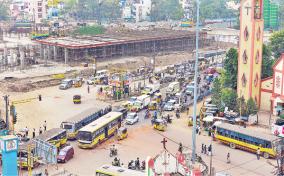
pixel 108 170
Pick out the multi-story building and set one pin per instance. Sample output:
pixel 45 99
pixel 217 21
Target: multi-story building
pixel 37 10
pixel 141 10
pixel 250 49
pixel 188 7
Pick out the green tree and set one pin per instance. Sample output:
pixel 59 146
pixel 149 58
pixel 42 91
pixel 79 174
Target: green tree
pixel 277 43
pixel 229 98
pixel 215 9
pixel 4 6
pixel 165 10
pixel 216 93
pixel 251 107
pixel 242 106
pixel 231 69
pixel 267 62
pixel 97 9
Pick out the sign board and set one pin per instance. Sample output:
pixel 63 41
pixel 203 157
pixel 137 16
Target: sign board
pixel 45 151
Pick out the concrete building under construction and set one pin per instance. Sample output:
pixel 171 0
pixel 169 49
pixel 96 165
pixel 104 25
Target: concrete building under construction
pixel 118 44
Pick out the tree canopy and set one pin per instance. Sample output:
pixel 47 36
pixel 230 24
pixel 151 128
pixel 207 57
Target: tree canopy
pixel 165 10
pixel 3 10
pixel 230 74
pixel 95 9
pixel 267 62
pixel 277 43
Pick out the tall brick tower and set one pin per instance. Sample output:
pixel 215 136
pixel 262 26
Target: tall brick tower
pixel 250 49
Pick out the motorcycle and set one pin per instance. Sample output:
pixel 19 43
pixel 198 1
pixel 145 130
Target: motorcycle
pixel 131 165
pixel 116 162
pixel 113 152
pixel 143 165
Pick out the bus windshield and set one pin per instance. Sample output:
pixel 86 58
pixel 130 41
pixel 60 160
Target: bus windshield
pixel 84 135
pixel 67 126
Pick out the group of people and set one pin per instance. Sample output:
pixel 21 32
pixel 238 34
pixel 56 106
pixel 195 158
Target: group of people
pixel 40 131
pixel 206 150
pixel 136 165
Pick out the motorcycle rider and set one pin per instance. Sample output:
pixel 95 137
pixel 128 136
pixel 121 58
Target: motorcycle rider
pixel 113 150
pixel 116 162
pixel 130 165
pixel 137 163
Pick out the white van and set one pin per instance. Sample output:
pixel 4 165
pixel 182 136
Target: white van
pixel 101 73
pixel 173 88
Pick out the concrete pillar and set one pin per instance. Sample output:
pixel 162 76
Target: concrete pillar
pixel 55 53
pixel 41 52
pixel 45 55
pixel 22 57
pixel 66 55
pixel 49 53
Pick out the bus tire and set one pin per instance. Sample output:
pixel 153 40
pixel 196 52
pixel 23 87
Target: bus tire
pixel 266 155
pixel 232 145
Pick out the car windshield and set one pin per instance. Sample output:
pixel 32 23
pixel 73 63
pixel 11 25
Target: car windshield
pixel 131 116
pixel 62 153
pixel 132 99
pixel 169 104
pixel 67 126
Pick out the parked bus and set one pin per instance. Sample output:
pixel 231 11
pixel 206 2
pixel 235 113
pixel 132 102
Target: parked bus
pixel 73 124
pixel 55 136
pixel 245 139
pixel 99 130
pixel 108 170
pixel 278 128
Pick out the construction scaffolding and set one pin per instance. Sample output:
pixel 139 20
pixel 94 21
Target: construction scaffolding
pixel 110 45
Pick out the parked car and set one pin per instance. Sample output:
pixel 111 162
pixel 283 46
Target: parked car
pixel 65 154
pixel 132 118
pixel 169 106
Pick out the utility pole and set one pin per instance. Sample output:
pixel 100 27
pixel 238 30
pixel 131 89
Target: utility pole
pixel 195 86
pixel 154 57
pixel 6 99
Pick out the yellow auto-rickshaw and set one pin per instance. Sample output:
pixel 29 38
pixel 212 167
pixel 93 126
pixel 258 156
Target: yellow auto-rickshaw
pixel 160 124
pixel 122 133
pixel 153 105
pixel 190 121
pixel 77 99
pixel 78 82
pixel 158 97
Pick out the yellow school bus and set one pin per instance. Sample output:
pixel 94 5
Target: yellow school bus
pixel 99 130
pixel 246 139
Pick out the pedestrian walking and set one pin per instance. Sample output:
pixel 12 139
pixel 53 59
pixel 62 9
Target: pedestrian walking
pixel 34 133
pixel 202 148
pixel 40 131
pixel 187 110
pixel 205 149
pixel 228 158
pixel 210 150
pixel 44 125
pixel 180 148
pixel 88 89
pixel 258 154
pixel 26 131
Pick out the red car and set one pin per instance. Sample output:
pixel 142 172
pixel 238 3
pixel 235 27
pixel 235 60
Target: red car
pixel 65 154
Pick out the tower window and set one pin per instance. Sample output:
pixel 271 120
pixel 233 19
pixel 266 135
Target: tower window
pixel 257 12
pixel 244 80
pixel 258 34
pixel 246 34
pixel 256 80
pixel 257 57
pixel 255 99
pixel 245 57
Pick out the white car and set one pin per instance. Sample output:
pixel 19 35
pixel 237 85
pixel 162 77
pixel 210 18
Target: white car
pixel 91 81
pixel 132 118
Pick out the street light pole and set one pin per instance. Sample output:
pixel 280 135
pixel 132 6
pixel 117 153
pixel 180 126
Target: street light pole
pixel 195 86
pixel 6 99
